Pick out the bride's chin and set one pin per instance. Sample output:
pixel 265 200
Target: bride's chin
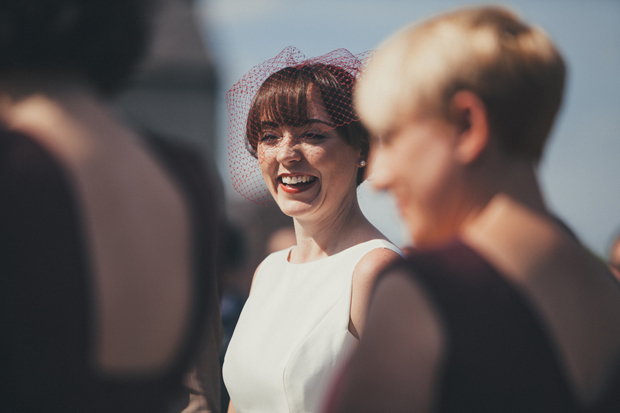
pixel 295 209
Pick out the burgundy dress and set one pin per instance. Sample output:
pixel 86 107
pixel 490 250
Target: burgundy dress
pixel 499 354
pixel 46 288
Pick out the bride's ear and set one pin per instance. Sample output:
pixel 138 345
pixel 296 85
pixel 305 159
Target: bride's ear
pixel 468 113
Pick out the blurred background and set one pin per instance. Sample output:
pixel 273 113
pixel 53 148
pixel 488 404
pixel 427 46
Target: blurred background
pixel 202 47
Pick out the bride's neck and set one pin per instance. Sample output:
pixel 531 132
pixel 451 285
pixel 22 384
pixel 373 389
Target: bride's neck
pixel 321 238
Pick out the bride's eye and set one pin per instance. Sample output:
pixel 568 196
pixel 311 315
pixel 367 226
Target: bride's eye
pixel 268 138
pixel 315 136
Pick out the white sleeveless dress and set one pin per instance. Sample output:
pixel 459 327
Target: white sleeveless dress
pixel 293 332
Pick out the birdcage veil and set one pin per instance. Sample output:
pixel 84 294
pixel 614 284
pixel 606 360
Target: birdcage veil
pixel 284 83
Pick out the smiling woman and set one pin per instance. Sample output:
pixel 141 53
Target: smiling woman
pixel 331 162
pixel 306 311
pixel 315 94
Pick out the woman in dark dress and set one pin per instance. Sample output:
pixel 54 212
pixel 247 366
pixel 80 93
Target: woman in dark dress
pixel 499 308
pixel 107 243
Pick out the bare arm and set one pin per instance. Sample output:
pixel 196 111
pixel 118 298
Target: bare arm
pixel 231 408
pixel 364 277
pixel 398 361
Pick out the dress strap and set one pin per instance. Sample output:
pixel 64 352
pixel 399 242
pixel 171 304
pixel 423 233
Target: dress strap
pixel 379 243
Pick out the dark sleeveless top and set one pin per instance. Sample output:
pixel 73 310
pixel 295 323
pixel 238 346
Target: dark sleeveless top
pixel 500 357
pixel 45 287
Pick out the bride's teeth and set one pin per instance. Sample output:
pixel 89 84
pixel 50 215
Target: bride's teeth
pixel 292 180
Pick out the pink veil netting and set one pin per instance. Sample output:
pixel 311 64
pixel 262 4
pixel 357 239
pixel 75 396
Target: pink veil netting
pixel 242 155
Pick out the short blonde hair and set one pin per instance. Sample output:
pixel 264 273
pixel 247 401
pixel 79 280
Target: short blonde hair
pixel 513 67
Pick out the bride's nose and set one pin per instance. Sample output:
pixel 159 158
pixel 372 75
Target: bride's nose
pixel 288 151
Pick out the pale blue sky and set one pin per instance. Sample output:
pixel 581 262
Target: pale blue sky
pixel 580 173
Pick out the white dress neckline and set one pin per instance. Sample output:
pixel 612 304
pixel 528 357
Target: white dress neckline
pixel 293 332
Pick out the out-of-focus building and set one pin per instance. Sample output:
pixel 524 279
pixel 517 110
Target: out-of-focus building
pixel 173 93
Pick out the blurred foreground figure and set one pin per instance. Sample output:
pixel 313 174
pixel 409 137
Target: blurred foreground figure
pixel 500 309
pixel 106 240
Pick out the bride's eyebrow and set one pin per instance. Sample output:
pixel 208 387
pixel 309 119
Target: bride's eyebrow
pixel 311 121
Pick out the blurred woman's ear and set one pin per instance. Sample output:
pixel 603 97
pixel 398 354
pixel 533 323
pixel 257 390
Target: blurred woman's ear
pixel 469 116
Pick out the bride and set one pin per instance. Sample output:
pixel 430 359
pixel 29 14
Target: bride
pixel 307 305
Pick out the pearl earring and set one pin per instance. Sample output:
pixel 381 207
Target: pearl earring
pixel 362 163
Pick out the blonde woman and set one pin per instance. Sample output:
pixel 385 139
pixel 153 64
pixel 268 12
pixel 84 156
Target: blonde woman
pixel 499 309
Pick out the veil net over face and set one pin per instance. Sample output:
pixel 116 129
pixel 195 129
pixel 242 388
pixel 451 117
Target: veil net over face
pixel 287 90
